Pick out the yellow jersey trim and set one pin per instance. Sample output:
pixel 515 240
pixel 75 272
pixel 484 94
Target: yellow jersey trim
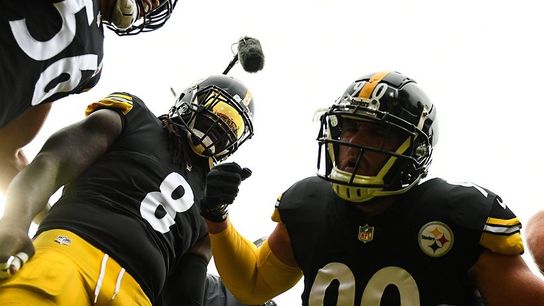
pixel 116 101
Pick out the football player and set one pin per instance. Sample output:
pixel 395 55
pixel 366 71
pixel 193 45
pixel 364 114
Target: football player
pixel 367 230
pixel 51 49
pixel 535 236
pixel 129 218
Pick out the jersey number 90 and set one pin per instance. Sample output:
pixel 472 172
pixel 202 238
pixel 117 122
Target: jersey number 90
pixel 373 292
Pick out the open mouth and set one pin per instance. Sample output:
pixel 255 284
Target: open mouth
pixel 350 165
pixel 364 166
pixel 149 5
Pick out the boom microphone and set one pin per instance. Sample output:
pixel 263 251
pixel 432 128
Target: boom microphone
pixel 250 54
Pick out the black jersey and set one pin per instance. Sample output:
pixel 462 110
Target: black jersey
pixel 417 252
pixel 134 203
pixel 49 49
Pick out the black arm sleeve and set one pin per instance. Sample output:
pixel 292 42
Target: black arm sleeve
pixel 186 286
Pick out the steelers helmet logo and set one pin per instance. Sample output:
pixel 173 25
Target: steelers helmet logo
pixel 435 239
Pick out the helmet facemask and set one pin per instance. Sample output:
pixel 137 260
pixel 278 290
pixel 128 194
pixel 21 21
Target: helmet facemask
pixel 362 169
pixel 217 122
pixel 143 22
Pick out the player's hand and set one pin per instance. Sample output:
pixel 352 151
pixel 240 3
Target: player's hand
pixel 15 247
pixel 221 189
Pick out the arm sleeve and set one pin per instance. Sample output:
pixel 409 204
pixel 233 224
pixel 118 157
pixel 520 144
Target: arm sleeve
pixel 187 285
pixel 253 274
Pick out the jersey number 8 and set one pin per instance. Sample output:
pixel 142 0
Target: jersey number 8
pixel 175 196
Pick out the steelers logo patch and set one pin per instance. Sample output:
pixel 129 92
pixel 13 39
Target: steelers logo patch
pixel 435 239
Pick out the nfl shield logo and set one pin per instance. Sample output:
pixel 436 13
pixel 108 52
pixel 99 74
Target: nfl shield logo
pixel 366 233
pixel 63 240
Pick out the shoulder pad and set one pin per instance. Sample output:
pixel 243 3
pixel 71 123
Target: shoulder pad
pixel 478 209
pixel 301 192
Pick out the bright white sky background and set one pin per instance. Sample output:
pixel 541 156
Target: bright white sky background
pixel 479 61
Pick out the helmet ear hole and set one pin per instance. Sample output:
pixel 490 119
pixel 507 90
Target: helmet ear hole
pixel 421 151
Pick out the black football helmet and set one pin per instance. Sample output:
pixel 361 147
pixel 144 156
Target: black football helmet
pixel 217 112
pixel 397 105
pixel 140 21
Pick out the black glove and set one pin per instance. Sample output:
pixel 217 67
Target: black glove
pixel 222 185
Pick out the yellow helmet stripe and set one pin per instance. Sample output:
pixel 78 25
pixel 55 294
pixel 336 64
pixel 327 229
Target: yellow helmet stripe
pixel 369 86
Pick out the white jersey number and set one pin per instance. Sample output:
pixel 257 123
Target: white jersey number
pixel 372 295
pixel 44 50
pixel 175 196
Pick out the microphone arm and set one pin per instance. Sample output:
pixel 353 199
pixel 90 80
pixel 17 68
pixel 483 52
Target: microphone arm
pixel 231 64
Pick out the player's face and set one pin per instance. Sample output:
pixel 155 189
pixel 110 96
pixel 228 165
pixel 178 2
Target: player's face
pixel 150 5
pixel 369 135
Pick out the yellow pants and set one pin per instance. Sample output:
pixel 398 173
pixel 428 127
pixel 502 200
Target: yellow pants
pixel 67 270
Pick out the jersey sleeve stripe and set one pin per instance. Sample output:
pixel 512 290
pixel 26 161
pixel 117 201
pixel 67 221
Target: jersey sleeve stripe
pixel 502 222
pixel 114 101
pixel 502 230
pixel 502 226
